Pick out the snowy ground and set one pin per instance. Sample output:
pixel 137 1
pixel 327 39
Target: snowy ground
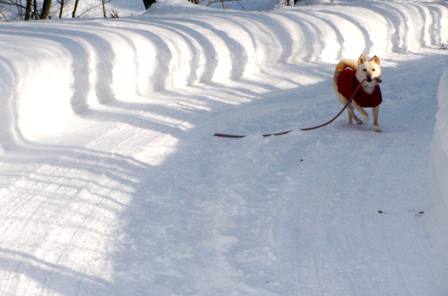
pixel 111 182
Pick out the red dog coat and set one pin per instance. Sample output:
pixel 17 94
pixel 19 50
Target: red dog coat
pixel 347 84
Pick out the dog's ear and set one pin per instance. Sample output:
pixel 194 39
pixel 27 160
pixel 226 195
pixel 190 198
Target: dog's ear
pixel 362 59
pixel 376 60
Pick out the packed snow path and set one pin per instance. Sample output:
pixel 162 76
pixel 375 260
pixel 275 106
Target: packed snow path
pixel 133 195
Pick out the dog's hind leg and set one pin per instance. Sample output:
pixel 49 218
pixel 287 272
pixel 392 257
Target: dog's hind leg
pixel 350 115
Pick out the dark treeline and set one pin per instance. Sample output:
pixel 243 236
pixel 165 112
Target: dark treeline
pixel 45 9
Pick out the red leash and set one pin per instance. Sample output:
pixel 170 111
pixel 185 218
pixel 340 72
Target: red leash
pixel 302 129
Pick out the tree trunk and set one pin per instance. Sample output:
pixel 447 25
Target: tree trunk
pixel 35 11
pixel 45 9
pixel 61 9
pixel 75 8
pixel 29 6
pixel 148 3
pixel 103 2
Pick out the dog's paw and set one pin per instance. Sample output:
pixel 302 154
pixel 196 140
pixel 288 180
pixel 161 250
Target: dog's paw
pixel 377 129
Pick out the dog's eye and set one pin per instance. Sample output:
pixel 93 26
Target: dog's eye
pixel 364 70
pixel 373 70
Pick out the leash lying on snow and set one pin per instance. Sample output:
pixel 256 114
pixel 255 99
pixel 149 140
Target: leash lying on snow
pixel 302 129
pixel 288 131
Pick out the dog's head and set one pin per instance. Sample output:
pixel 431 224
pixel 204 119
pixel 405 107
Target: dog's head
pixel 369 70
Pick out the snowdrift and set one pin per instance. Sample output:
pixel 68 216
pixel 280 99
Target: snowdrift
pixel 440 164
pixel 57 69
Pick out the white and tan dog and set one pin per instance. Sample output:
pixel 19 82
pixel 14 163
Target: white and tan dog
pixel 347 77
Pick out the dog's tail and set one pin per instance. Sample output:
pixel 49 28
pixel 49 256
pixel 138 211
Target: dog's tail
pixel 345 64
pixel 341 66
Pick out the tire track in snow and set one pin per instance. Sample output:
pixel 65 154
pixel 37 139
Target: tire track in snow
pixel 57 259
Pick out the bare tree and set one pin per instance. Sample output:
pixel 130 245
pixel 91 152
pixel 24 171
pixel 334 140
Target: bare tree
pixel 61 8
pixel 28 9
pixel 211 2
pixel 103 4
pixel 17 4
pixel 291 2
pixel 75 8
pixel 148 3
pixel 46 5
pixel 20 8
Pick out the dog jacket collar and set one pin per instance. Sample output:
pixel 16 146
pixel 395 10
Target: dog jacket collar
pixel 347 84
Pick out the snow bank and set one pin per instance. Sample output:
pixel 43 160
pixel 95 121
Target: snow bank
pixel 439 226
pixel 80 65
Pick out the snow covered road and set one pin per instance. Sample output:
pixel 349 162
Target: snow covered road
pixel 112 184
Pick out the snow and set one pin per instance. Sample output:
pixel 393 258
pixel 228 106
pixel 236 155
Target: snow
pixel 442 126
pixel 438 224
pixel 111 182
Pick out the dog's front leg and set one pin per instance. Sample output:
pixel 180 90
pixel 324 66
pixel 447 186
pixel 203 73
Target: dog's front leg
pixel 376 112
pixel 350 112
pixel 352 115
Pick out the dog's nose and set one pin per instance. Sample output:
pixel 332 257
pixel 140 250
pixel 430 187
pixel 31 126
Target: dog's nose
pixel 369 78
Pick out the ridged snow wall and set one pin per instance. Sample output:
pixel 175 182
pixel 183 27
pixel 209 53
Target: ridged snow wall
pixel 52 70
pixel 440 168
